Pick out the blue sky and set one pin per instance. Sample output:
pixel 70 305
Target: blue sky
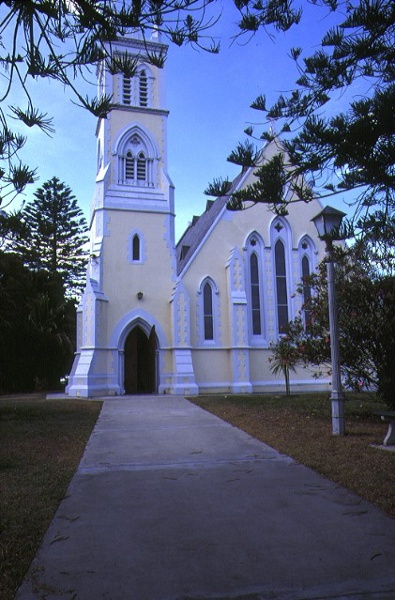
pixel 208 97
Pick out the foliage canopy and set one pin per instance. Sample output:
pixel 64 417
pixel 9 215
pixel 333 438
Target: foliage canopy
pixel 365 304
pixel 42 264
pixel 53 235
pixel 37 328
pixel 337 125
pixel 60 40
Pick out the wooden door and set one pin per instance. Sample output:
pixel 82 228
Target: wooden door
pixel 131 363
pixel 152 360
pixel 140 362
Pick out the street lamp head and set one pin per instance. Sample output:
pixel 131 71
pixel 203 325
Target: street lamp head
pixel 328 223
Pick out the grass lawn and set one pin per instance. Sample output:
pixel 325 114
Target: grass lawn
pixel 41 445
pixel 301 427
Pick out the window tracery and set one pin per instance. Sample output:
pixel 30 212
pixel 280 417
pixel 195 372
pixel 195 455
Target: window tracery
pixel 135 162
pixel 281 242
pixel 255 291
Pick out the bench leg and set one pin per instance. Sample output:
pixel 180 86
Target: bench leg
pixel 389 439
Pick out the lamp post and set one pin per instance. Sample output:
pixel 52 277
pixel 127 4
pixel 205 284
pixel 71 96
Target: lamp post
pixel 328 223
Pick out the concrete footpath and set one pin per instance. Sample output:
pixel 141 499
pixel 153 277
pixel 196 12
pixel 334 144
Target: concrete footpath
pixel 171 503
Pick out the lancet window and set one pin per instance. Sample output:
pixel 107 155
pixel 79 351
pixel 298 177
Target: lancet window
pixel 281 243
pixel 255 291
pixel 281 286
pixel 255 295
pixel 127 90
pixel 136 91
pixel 143 88
pixel 306 291
pixel 306 254
pixel 136 248
pixel 208 312
pixel 136 166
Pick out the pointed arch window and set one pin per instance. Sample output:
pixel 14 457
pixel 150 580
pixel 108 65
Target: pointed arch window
pixel 137 90
pixel 281 285
pixel 208 315
pixel 136 248
pixel 141 167
pixel 136 166
pixel 143 88
pixel 306 272
pixel 255 295
pixel 129 166
pixel 306 257
pixel 127 90
pixel 254 259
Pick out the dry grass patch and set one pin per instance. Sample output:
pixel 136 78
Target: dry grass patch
pixel 300 426
pixel 41 445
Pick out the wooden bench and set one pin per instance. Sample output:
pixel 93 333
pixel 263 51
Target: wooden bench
pixel 388 415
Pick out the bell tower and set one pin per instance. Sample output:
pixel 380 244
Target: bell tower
pixel 124 326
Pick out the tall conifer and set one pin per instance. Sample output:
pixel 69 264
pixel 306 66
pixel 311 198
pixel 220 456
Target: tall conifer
pixel 56 234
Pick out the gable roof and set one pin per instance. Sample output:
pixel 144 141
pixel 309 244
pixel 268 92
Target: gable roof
pixel 201 225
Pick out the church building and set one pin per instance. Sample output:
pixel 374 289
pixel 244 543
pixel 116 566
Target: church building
pixel 187 318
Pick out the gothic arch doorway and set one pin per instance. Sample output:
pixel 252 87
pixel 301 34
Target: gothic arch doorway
pixel 140 362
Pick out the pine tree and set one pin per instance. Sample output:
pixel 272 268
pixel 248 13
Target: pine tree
pixel 42 270
pixel 56 234
pixel 59 40
pixel 330 150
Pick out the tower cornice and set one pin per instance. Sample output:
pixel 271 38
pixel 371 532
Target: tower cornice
pixel 136 109
pixel 141 45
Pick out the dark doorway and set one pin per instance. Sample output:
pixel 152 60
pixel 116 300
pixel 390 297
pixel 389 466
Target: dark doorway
pixel 140 362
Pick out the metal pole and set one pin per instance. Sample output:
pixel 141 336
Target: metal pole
pixel 337 396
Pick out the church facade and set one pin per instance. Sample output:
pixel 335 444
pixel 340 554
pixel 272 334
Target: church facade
pixel 187 318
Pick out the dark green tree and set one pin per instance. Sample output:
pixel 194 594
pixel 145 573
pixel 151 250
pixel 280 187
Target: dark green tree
pixel 376 247
pixel 42 269
pixel 327 151
pixel 12 228
pixel 53 236
pixel 60 40
pixel 15 288
pixel 52 325
pixel 365 301
pixel 37 328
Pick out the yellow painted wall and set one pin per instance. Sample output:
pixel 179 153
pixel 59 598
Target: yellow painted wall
pixel 123 280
